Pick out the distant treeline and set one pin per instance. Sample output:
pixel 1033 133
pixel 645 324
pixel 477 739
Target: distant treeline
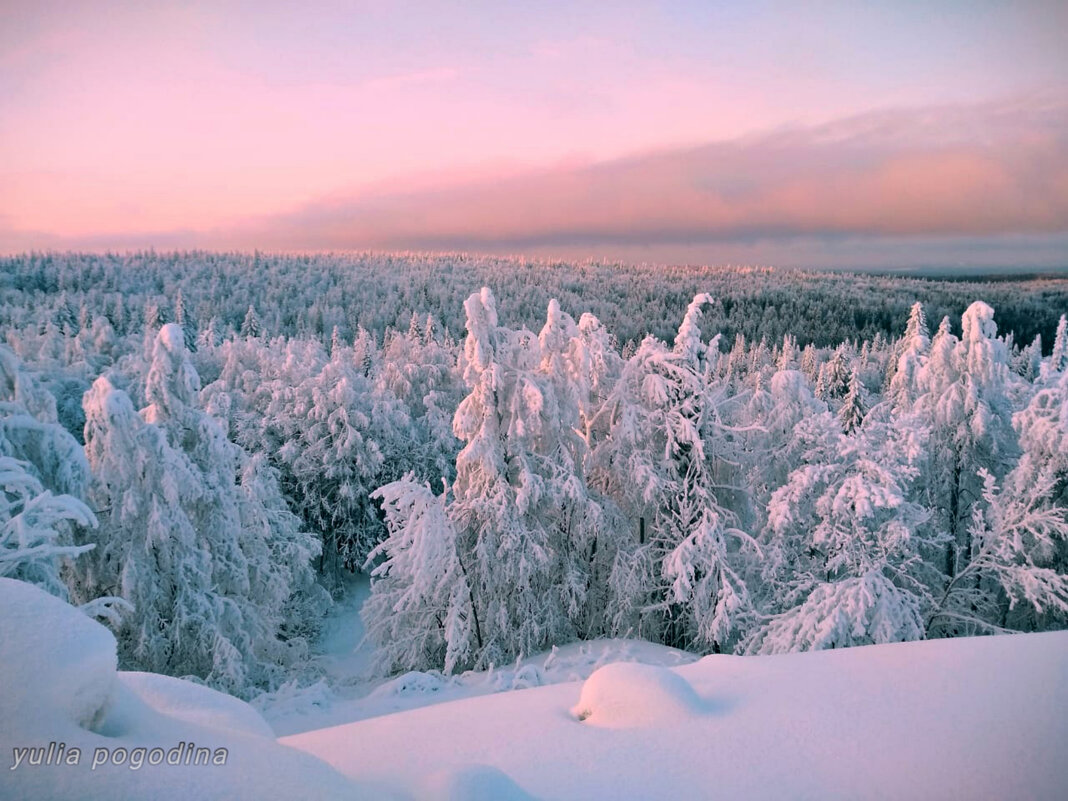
pixel 311 295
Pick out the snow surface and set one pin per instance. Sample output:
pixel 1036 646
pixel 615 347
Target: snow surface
pixel 348 692
pixel 965 718
pixel 194 703
pixel 60 685
pixel 630 695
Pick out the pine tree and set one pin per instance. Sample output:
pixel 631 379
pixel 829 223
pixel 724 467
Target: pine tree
pixel 832 382
pixel 250 326
pixel 908 361
pixel 181 317
pixel 1058 358
pixel 1028 363
pixel 851 415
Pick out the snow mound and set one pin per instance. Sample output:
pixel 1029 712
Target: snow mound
pixel 414 682
pixel 117 733
pixel 472 783
pixel 628 694
pixel 49 649
pixel 194 703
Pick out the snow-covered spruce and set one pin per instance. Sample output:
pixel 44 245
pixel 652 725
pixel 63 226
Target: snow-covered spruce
pixel 194 534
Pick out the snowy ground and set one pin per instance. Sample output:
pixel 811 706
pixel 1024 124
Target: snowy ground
pixel 969 718
pixel 348 693
pixel 976 718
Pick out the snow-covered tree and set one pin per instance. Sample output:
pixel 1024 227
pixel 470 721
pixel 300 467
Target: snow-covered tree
pixel 193 535
pixel 909 360
pixel 854 405
pixel 421 613
pixel 34 534
pixel 667 439
pixel 966 404
pixel 520 504
pixel 181 317
pixel 845 546
pixel 250 326
pixel 1058 358
pixel 832 382
pixel 774 417
pixel 1027 362
pixel 43 479
pixel 1011 572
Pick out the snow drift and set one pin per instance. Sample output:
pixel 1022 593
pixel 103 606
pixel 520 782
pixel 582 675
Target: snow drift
pixel 61 687
pixel 964 718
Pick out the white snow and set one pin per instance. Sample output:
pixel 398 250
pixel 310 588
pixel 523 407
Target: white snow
pixel 60 686
pixel 48 649
pixel 625 695
pixel 184 700
pixel 472 783
pixel 964 718
pixel 349 693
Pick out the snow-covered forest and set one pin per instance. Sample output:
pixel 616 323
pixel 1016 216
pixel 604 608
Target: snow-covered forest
pixel 197 449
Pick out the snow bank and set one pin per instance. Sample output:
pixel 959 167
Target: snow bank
pixel 624 694
pixel 963 718
pixel 194 703
pixel 71 727
pixel 348 695
pixel 49 649
pixel 472 783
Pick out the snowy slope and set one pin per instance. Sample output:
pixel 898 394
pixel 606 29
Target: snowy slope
pixel 60 687
pixel 349 692
pixel 968 718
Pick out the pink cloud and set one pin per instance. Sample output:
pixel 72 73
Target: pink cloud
pixel 988 170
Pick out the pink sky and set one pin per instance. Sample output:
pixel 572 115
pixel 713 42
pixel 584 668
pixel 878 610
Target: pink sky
pixel 572 128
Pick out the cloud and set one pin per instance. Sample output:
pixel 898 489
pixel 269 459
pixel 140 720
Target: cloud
pixel 980 171
pixel 983 185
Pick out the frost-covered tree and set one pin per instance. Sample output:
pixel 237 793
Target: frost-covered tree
pixel 30 432
pixel 521 525
pixel 854 405
pixel 181 317
pixel 1027 363
pixel 43 478
pixel 909 360
pixel 250 326
pixel 417 386
pixel 520 504
pixel 1043 432
pixel 332 460
pixel 832 382
pixel 774 417
pixel 193 535
pixel 966 404
pixel 845 546
pixel 34 533
pixel 1058 358
pixel 668 435
pixel 421 613
pixel 1011 573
